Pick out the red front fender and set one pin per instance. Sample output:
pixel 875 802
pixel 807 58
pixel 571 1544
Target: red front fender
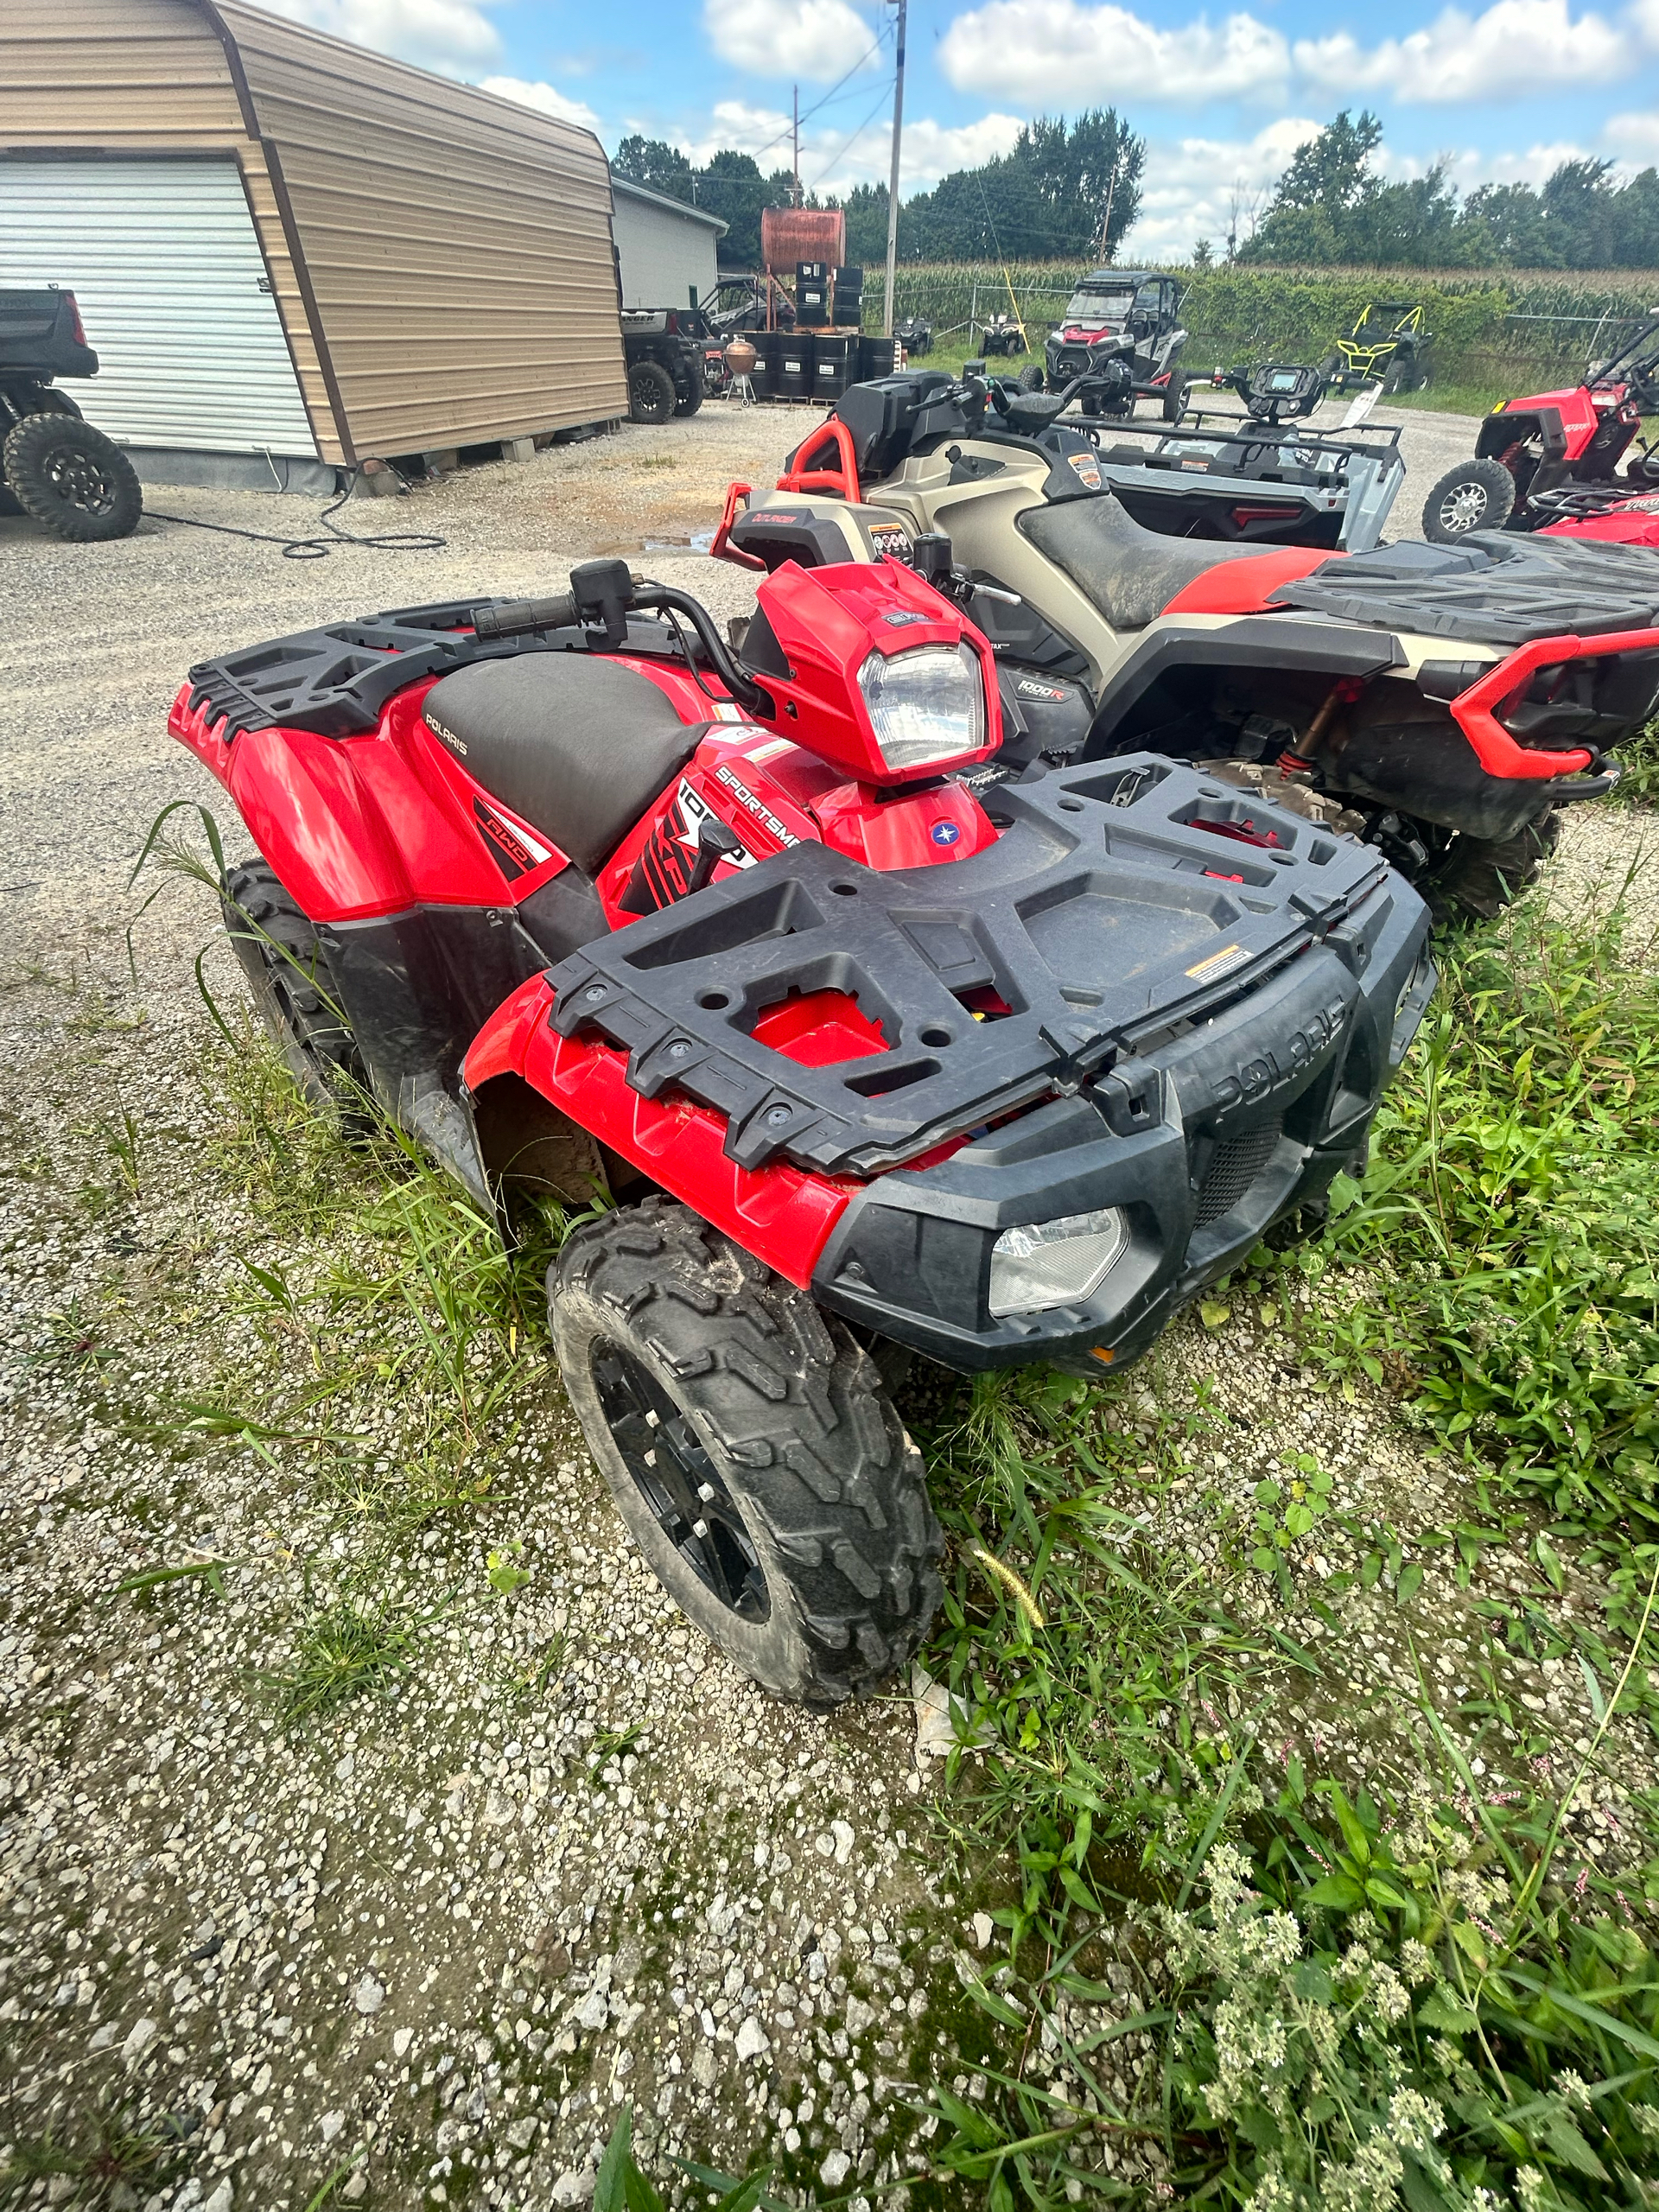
pixel 780 1214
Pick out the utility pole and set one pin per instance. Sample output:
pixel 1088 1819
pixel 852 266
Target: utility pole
pixel 795 192
pixel 893 181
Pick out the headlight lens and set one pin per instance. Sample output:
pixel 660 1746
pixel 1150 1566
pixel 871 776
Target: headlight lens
pixel 1054 1262
pixel 925 705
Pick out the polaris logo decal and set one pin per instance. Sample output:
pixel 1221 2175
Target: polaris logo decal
pixel 448 735
pixel 1025 688
pixel 945 833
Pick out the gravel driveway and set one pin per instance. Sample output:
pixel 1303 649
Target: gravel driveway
pixel 422 1947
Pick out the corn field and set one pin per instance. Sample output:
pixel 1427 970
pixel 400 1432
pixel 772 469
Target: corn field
pixel 1489 323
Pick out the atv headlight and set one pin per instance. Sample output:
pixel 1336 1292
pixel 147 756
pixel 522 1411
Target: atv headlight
pixel 925 705
pixel 1054 1262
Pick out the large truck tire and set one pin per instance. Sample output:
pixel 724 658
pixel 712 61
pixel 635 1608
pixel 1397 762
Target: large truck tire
pixel 651 395
pixel 751 1452
pixel 72 479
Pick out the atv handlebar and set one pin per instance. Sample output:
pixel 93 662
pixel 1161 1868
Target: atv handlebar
pixel 558 611
pixel 603 594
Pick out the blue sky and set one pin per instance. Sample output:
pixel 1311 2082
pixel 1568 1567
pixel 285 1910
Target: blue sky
pixel 1503 91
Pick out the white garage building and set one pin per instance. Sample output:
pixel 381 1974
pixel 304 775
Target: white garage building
pixel 664 250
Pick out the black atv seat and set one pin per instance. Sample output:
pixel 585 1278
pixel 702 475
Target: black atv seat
pixel 576 746
pixel 1131 574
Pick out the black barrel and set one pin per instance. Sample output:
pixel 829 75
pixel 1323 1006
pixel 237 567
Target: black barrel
pixel 835 366
pixel 848 298
pixel 877 356
pixel 796 363
pixel 768 369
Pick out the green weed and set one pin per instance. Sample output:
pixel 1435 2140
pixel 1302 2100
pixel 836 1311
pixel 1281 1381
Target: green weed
pixel 352 1647
pixel 121 2162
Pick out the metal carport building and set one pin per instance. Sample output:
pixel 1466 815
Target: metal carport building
pixel 289 250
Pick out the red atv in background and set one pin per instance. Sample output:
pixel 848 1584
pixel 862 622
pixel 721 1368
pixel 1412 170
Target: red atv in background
pixel 1559 461
pixel 865 1046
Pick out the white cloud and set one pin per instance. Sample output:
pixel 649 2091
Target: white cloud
pixel 547 99
pixel 1057 51
pixel 831 162
pixel 1025 49
pixel 812 40
pixel 1516 47
pixel 1201 188
pixel 1636 136
pixel 446 35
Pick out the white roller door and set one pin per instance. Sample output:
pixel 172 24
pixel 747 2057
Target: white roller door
pixel 164 259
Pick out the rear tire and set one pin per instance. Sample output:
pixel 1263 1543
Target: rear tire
pixel 1175 393
pixel 1475 495
pixel 72 479
pixel 1479 876
pixel 293 989
pixel 691 404
pixel 716 1398
pixel 651 395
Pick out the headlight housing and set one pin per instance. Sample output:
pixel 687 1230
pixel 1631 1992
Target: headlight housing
pixel 926 705
pixel 1055 1262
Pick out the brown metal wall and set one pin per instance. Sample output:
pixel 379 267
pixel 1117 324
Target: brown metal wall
pixel 458 246
pixel 150 77
pixel 442 260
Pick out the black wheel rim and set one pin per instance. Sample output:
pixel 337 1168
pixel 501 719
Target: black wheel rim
pixel 675 1475
pixel 79 479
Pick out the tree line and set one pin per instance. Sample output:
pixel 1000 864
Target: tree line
pixel 1063 190
pixel 1072 191
pixel 1330 207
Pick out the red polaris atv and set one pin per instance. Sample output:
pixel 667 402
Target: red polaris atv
pixel 1533 455
pixel 870 1054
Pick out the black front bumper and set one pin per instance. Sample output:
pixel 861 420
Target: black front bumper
pixel 1203 1143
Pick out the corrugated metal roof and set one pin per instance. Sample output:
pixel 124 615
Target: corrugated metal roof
pixel 672 206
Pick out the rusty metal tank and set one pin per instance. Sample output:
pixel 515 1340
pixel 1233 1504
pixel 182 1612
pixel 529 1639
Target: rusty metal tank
pixel 789 235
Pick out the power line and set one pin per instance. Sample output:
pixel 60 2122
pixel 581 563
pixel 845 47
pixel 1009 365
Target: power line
pixel 881 102
pixel 867 55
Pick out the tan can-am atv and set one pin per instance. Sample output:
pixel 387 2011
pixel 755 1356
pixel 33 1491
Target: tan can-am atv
pixel 1442 702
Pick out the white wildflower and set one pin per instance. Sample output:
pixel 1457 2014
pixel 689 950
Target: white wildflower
pixel 1414 2120
pixel 1647 2120
pixel 1388 1994
pixel 1534 2189
pixel 1573 2088
pixel 1368 2182
pixel 1274 2193
pixel 1416 1962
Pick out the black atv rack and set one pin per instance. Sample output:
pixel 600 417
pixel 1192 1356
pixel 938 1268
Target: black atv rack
pixel 1127 902
pixel 335 681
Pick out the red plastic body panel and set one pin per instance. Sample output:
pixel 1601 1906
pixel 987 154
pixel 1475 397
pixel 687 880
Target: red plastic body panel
pixel 364 826
pixel 1580 418
pixel 829 621
pixel 1636 523
pixel 1476 710
pixel 841 480
pixel 1246 587
pixel 819 1030
pixel 916 830
pixel 781 1215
